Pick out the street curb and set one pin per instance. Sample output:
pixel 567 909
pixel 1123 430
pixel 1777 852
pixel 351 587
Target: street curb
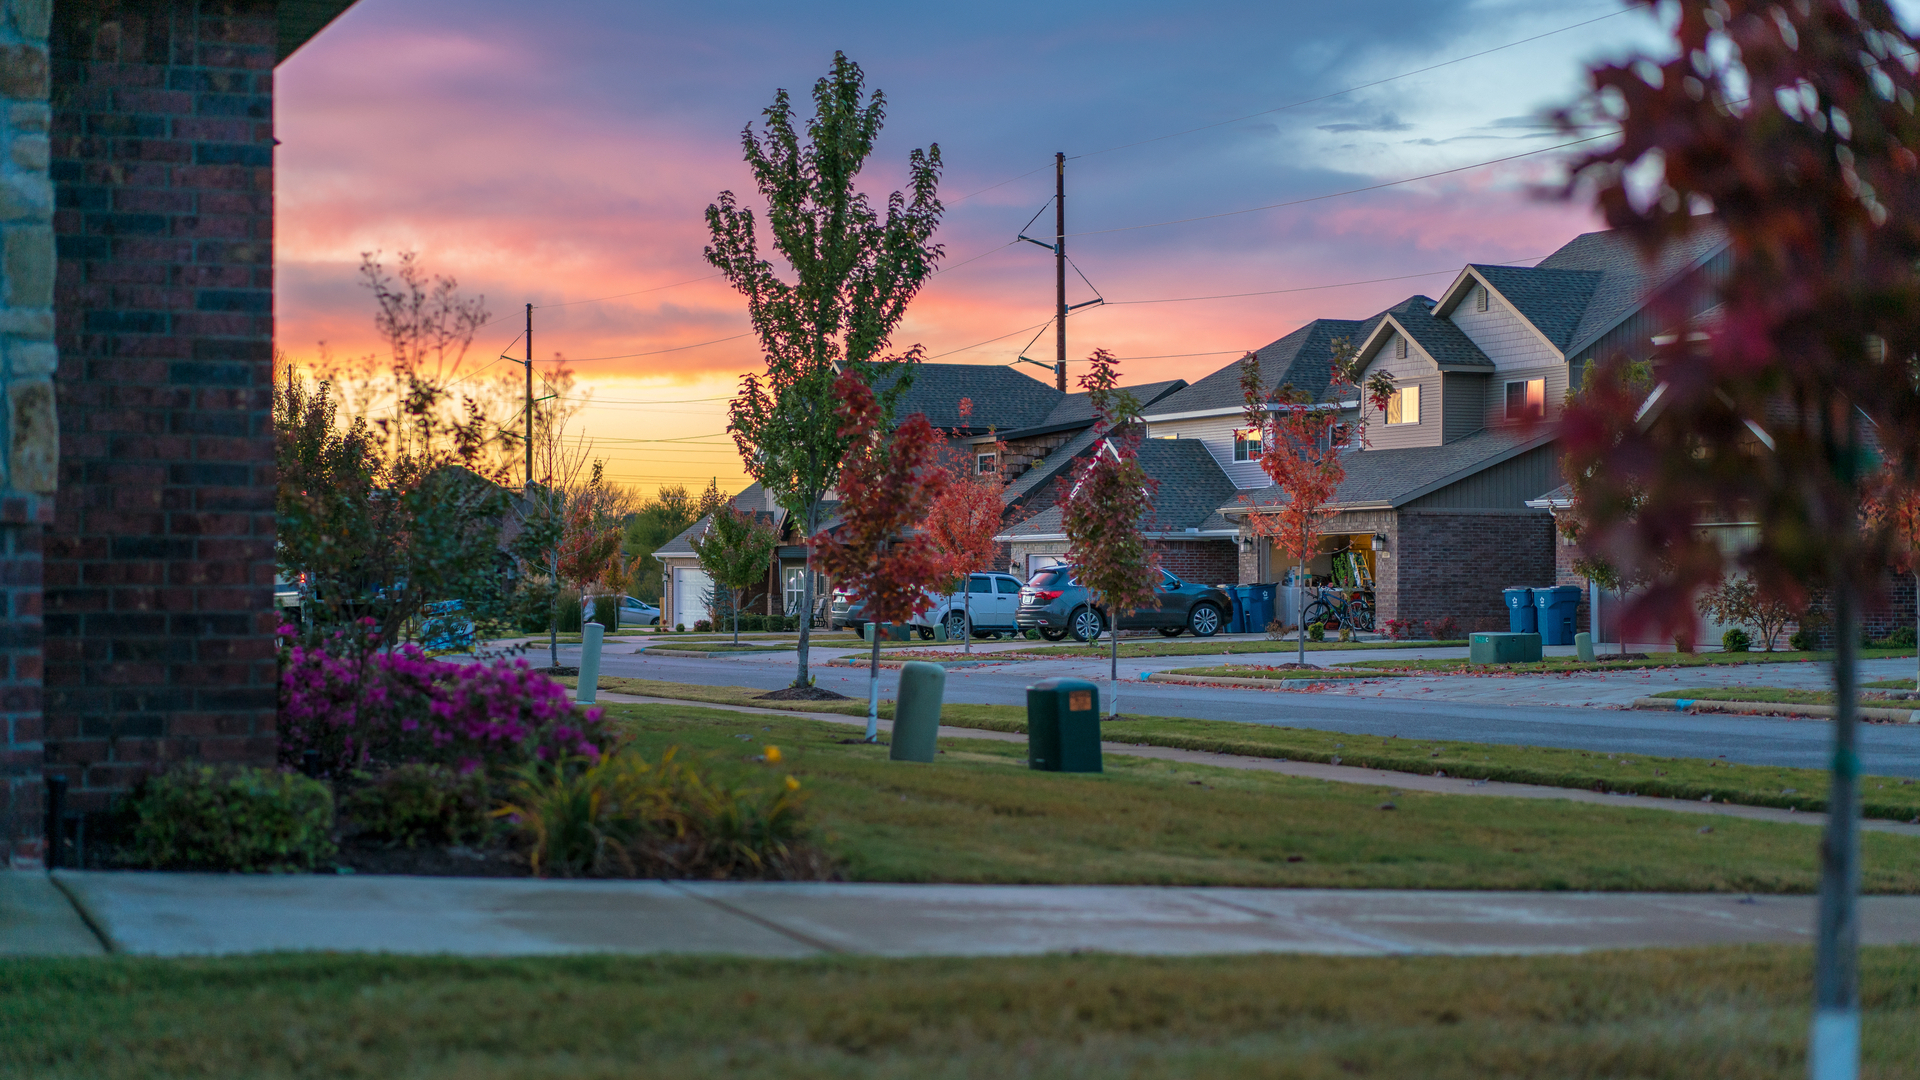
pixel 1258 684
pixel 892 665
pixel 1772 708
pixel 690 654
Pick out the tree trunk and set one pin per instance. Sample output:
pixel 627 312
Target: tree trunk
pixel 735 594
pixel 1300 607
pixel 1835 1050
pixel 1916 628
pixel 1113 669
pixel 873 685
pixel 966 608
pixel 806 601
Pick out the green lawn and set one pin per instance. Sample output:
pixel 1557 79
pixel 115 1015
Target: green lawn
pixel 1652 1014
pixel 1205 647
pixel 1600 663
pixel 981 815
pixel 1685 778
pixel 1773 695
pixel 1237 671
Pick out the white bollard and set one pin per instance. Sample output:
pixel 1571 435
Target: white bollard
pixel 590 635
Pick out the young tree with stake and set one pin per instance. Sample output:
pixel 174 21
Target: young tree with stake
pixel 736 549
pixel 854 271
pixel 886 488
pixel 1106 509
pixel 1794 125
pixel 963 521
pixel 1300 448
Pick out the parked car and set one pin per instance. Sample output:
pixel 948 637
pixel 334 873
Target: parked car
pixel 845 611
pixel 445 627
pixel 1056 605
pixel 993 600
pixel 637 612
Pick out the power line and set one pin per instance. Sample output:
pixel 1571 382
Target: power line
pixel 656 352
pixel 1306 288
pixel 1349 191
pixel 636 292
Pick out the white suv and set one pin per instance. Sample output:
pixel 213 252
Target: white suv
pixel 991 600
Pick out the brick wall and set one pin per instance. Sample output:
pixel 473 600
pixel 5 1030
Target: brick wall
pixel 29 440
pixel 159 562
pixel 1203 562
pixel 1455 563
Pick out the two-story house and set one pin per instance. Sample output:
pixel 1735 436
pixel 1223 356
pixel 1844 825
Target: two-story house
pixel 1434 505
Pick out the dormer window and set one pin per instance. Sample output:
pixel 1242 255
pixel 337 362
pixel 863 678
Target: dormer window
pixel 1399 347
pixel 1246 444
pixel 985 464
pixel 1527 400
pixel 1404 406
pixel 1479 299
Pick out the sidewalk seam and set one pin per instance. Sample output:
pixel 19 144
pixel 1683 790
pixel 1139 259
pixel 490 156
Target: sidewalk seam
pixel 87 915
pixel 804 939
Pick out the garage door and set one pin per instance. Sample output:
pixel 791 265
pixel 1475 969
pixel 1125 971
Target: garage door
pixel 691 589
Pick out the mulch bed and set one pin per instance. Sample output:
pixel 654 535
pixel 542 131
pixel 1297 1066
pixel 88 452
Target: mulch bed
pixel 574 671
pixel 802 693
pixel 432 860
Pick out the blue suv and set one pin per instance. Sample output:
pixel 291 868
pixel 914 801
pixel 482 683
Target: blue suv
pixel 1056 605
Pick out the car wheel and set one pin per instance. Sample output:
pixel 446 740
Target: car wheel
pixel 956 625
pixel 1170 631
pixel 1084 624
pixel 1205 620
pixel 1051 634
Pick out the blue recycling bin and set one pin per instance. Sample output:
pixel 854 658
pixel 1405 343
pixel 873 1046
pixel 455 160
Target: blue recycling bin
pixel 1559 612
pixel 1242 608
pixel 1520 614
pixel 1260 607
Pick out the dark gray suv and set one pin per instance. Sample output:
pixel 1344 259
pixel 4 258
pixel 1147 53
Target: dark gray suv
pixel 1056 605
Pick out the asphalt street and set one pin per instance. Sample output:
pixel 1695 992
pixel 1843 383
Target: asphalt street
pixel 1888 750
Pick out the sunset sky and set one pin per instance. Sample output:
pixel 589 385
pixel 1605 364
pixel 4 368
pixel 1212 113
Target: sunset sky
pixel 561 153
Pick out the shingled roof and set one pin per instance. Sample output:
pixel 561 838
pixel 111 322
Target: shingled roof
pixel 1391 478
pixel 1303 358
pixel 1003 398
pixel 1554 301
pixel 1191 488
pixel 1074 410
pixel 1626 280
pixel 1446 343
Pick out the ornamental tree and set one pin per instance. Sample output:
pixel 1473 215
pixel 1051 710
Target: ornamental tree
pixel 1791 128
pixel 853 273
pixel 889 483
pixel 1300 447
pixel 1893 510
pixel 963 521
pixel 1105 510
pixel 737 550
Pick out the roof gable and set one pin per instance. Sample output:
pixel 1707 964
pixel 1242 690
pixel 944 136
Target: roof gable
pixel 1003 398
pixel 1551 301
pixel 1303 359
pixel 1446 343
pixel 1626 279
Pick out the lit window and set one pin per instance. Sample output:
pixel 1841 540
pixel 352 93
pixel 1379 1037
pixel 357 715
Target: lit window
pixel 985 464
pixel 1526 399
pixel 1404 406
pixel 1246 444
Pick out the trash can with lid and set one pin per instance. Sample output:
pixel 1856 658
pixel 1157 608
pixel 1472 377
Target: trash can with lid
pixel 1559 612
pixel 1063 726
pixel 1520 613
pixel 1260 606
pixel 1242 595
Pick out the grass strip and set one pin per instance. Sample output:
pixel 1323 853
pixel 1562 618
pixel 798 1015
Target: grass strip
pixel 1653 660
pixel 1888 797
pixel 982 816
pixel 1237 671
pixel 1655 1014
pixel 1203 647
pixel 1770 694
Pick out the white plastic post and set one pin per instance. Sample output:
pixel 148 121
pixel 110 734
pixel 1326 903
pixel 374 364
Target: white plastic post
pixel 590 638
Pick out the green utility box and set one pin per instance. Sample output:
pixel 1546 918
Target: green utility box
pixel 916 712
pixel 887 631
pixel 1503 648
pixel 1063 726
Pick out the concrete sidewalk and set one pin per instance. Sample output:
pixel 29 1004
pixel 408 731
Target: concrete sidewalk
pixel 208 914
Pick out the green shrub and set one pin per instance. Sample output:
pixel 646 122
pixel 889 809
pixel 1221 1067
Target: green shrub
pixel 702 626
pixel 249 820
pixel 606 610
pixel 416 803
pixel 623 816
pixel 1803 640
pixel 1317 632
pixel 1736 640
pixel 566 617
pixel 1903 638
pixel 679 628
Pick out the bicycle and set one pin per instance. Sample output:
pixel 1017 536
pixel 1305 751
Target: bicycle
pixel 1354 613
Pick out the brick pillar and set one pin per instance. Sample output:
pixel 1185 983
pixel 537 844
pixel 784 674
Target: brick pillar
pixel 30 444
pixel 159 561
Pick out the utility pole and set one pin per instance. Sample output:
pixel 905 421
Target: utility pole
pixel 1060 270
pixel 529 397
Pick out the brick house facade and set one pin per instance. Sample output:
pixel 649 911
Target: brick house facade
pixel 138 266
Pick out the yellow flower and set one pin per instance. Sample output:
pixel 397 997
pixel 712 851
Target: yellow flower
pixel 792 784
pixel 773 755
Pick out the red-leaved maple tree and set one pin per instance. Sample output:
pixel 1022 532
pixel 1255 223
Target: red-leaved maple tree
pixel 963 521
pixel 1892 508
pixel 1105 512
pixel 1789 129
pixel 1300 446
pixel 887 484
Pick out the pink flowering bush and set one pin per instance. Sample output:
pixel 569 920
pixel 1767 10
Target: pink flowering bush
pixel 356 706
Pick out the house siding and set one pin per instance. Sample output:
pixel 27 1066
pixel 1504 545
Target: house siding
pixel 1464 404
pixel 1216 434
pixel 1506 486
pixel 1417 369
pixel 1502 334
pixel 1556 377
